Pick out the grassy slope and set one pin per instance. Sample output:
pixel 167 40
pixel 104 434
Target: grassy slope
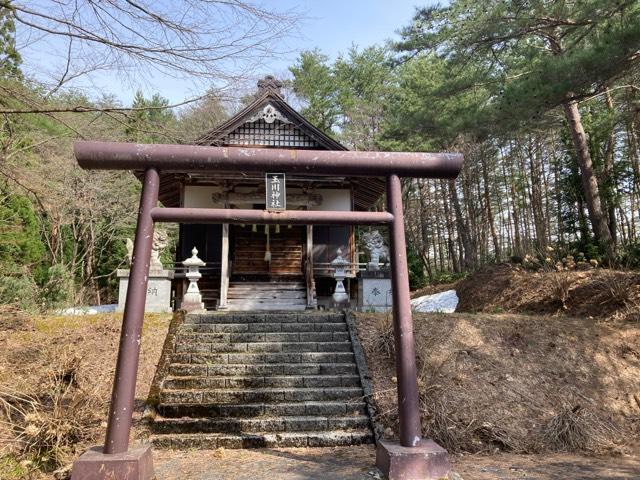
pixel 37 355
pixel 496 381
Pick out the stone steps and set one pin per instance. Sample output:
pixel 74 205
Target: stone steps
pixel 188 369
pixel 263 440
pixel 183 369
pixel 219 395
pixel 263 347
pixel 266 317
pixel 254 358
pixel 259 379
pixel 285 381
pixel 212 410
pixel 266 327
pixel 261 424
pixel 263 337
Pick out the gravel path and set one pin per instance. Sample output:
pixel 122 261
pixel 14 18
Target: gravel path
pixel 356 463
pixel 344 463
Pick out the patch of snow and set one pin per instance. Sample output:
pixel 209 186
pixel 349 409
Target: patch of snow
pixel 443 302
pixel 87 310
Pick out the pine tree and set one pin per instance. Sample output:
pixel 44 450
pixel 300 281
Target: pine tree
pixel 533 57
pixel 9 56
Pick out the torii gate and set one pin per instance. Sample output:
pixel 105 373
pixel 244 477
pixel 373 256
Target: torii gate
pixel 412 457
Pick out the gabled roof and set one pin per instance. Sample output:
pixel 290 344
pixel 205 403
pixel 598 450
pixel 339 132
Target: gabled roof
pixel 270 108
pixel 269 121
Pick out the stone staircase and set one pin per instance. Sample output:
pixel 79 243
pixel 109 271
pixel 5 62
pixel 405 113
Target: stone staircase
pixel 277 295
pixel 251 380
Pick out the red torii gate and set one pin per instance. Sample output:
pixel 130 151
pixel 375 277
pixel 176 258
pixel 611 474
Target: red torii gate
pixel 410 458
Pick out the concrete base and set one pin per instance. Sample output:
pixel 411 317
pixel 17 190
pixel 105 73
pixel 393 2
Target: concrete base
pixel 136 464
pixel 425 461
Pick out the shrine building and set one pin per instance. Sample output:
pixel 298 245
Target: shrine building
pixel 268 267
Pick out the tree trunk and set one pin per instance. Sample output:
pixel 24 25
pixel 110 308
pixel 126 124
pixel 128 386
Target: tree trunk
pixel 588 177
pixel 463 230
pixel 608 180
pixel 447 214
pixel 487 201
pixel 535 165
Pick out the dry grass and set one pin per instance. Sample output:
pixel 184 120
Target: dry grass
pixel 384 343
pixel 55 382
pixel 60 412
pixel 494 382
pixel 576 428
pixel 561 286
pixel 597 293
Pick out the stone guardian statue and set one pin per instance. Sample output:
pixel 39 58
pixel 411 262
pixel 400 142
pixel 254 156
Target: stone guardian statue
pixel 378 251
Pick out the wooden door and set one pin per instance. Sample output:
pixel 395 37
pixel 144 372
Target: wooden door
pixel 249 250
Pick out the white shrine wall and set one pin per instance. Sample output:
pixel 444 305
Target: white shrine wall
pixel 334 199
pixel 199 196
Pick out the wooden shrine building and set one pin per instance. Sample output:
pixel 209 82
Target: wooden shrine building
pixel 259 267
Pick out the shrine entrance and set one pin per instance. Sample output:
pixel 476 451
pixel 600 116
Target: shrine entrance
pixel 266 252
pixel 266 266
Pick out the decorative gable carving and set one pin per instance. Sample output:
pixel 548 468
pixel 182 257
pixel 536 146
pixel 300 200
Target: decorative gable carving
pixel 269 114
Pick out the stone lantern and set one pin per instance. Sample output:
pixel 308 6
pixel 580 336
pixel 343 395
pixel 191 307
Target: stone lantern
pixel 192 300
pixel 340 296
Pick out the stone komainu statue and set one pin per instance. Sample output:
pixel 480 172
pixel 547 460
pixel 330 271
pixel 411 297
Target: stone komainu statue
pixel 160 242
pixel 378 251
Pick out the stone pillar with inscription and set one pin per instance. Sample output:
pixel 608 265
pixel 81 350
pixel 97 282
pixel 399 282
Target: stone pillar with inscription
pixel 374 285
pixel 374 291
pixel 159 285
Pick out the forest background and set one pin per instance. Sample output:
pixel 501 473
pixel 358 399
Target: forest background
pixel 542 97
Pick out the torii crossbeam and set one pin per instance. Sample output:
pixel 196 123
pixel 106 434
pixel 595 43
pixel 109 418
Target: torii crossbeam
pixel 412 457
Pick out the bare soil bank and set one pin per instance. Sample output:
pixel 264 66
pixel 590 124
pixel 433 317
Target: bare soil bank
pixel 596 293
pixel 516 383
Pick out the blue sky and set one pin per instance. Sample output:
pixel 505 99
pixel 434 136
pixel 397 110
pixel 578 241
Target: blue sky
pixel 331 25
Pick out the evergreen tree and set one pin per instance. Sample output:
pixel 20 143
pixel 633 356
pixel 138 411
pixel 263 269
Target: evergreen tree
pixel 532 57
pixel 9 56
pixel 315 85
pixel 150 120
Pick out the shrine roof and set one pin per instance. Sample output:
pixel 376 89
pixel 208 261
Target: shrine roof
pixel 275 122
pixel 269 122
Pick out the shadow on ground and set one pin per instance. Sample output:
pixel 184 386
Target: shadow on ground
pixel 547 467
pixel 356 463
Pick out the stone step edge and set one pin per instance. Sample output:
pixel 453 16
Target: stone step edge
pixel 260 390
pixel 263 418
pixel 339 364
pixel 263 440
pixel 311 326
pixel 342 342
pixel 247 377
pixel 259 316
pixel 208 338
pixel 325 408
pixel 262 358
pixel 307 403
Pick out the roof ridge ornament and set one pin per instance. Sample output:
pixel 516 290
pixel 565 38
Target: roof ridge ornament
pixel 270 84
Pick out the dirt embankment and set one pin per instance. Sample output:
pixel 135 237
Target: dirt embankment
pixel 596 293
pixel 515 383
pixel 55 385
